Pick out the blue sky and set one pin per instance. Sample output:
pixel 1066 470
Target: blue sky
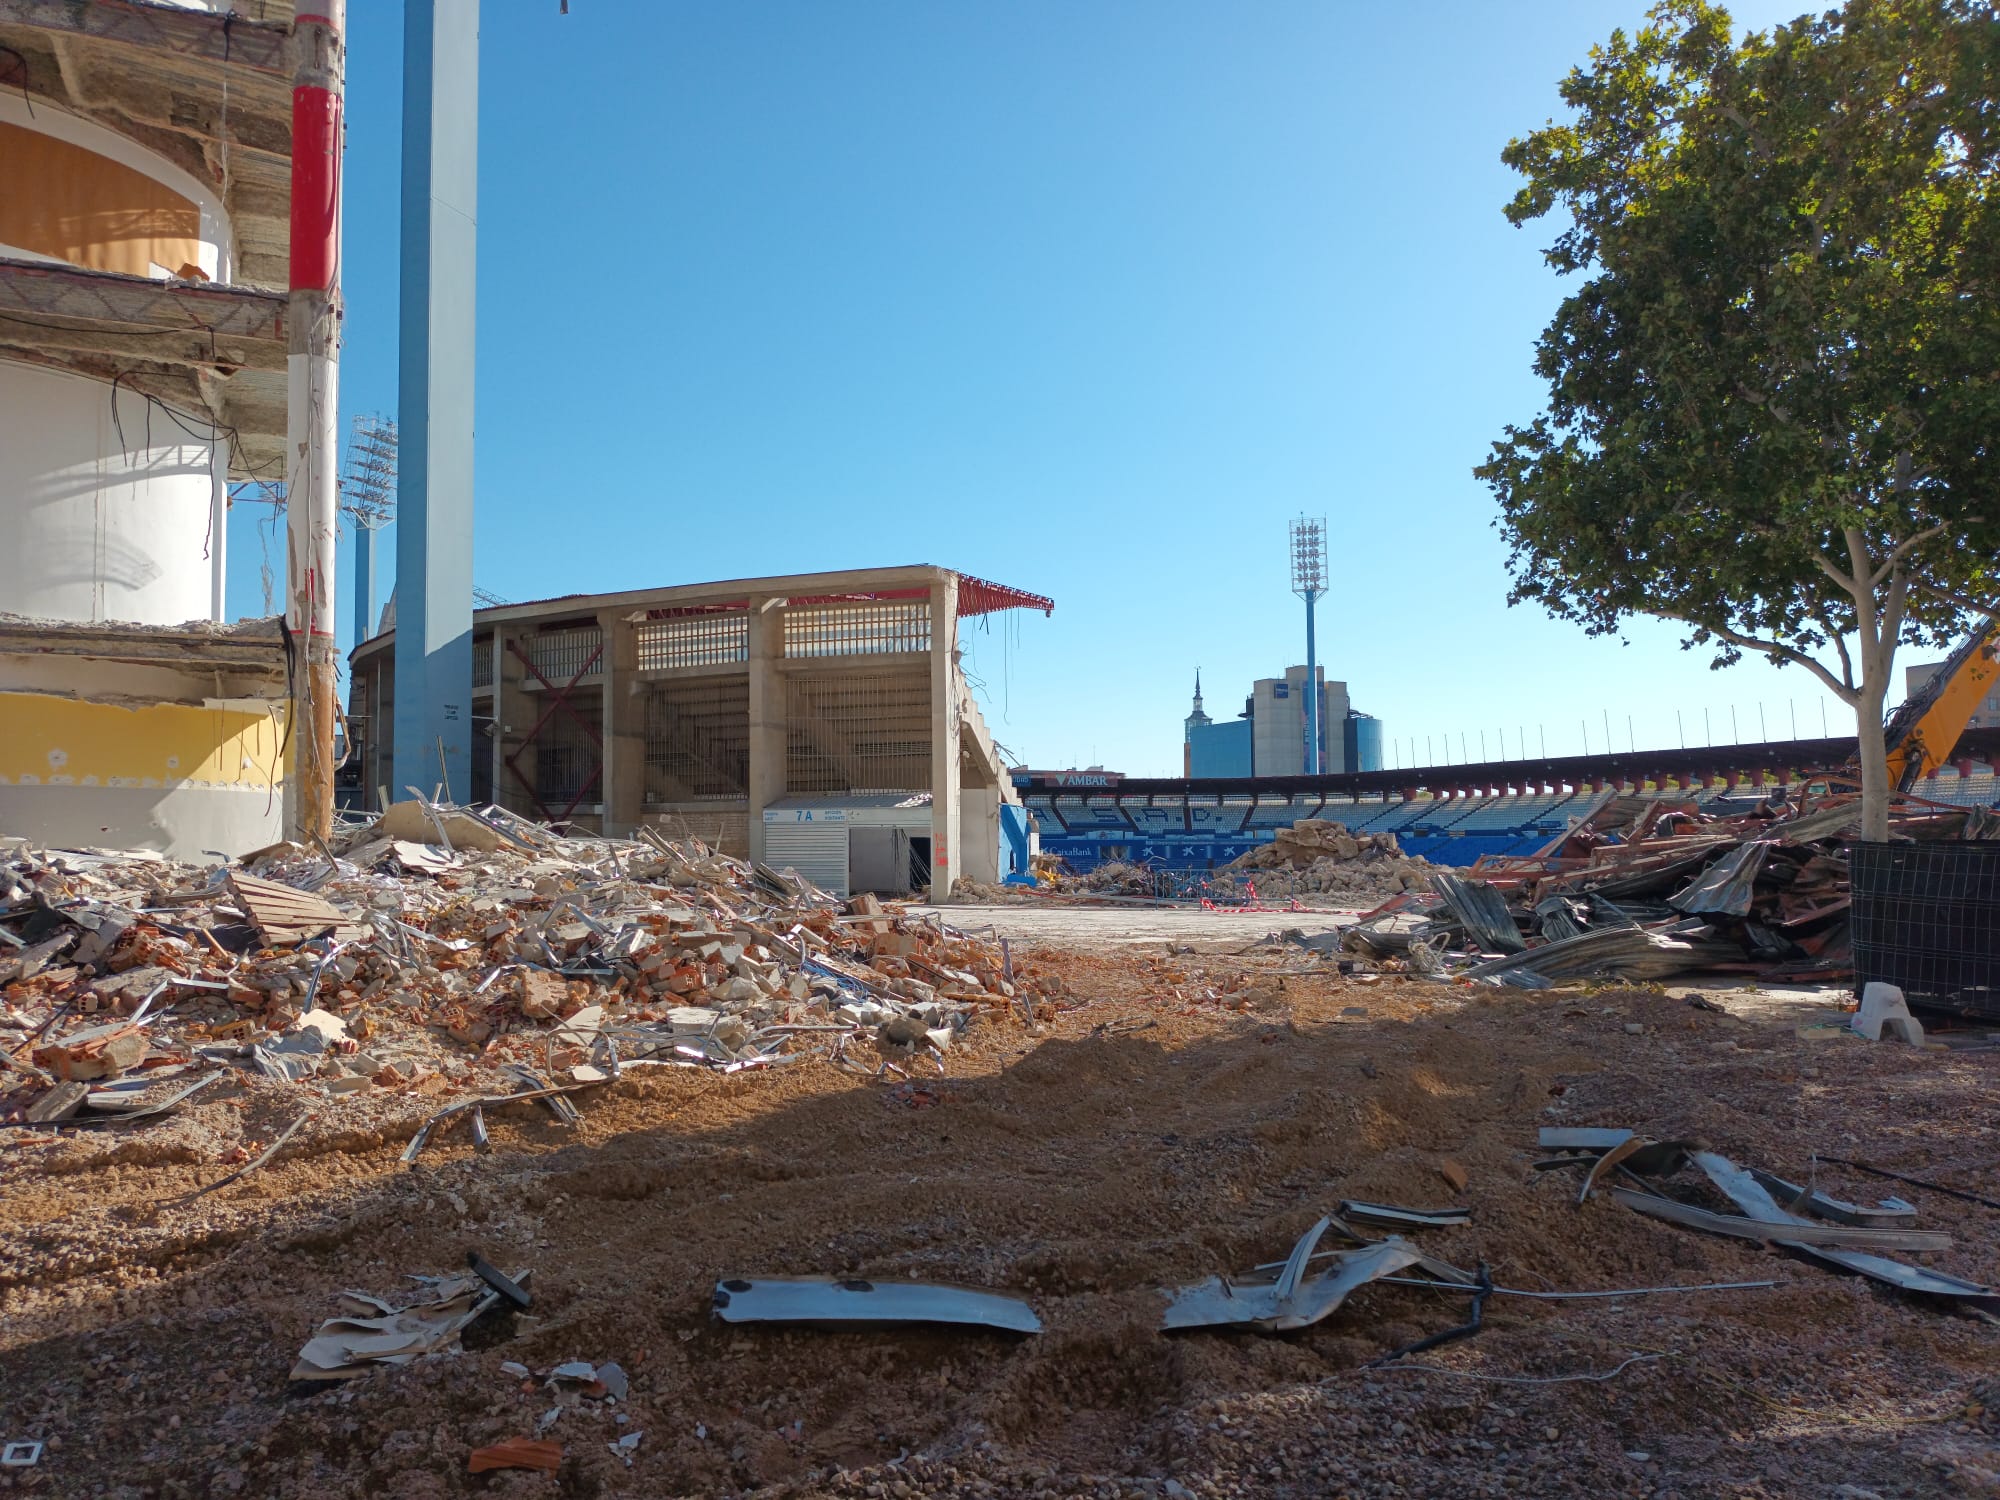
pixel 1089 299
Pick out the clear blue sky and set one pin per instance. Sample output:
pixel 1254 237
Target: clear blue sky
pixel 1089 299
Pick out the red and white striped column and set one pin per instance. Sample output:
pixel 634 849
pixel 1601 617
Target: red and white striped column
pixel 312 415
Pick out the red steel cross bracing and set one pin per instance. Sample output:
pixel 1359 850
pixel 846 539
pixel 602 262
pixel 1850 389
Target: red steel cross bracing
pixel 559 699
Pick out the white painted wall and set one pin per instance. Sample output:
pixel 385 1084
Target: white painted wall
pixel 105 517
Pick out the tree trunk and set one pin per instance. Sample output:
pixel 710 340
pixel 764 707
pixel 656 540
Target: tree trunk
pixel 1874 754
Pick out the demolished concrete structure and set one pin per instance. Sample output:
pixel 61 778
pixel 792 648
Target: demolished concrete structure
pixel 707 707
pixel 375 963
pixel 143 346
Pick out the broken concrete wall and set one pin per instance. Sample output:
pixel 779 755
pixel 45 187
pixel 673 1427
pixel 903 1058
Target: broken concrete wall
pixel 126 737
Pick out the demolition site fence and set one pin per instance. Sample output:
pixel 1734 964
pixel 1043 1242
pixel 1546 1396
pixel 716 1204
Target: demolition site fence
pixel 1926 918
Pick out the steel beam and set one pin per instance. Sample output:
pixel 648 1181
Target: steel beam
pixel 433 730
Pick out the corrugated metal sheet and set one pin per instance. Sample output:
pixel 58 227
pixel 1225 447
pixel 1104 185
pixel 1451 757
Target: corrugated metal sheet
pixel 817 851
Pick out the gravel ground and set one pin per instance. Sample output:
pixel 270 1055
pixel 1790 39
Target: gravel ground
pixel 1151 1136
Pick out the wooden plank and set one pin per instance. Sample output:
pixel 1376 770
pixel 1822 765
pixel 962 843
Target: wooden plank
pixel 284 915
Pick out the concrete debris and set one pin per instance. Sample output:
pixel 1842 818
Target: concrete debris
pixel 1647 889
pixel 1325 857
pixel 624 1447
pixel 452 828
pixel 59 1103
pixel 95 1052
pixel 807 1299
pixel 371 1331
pixel 462 952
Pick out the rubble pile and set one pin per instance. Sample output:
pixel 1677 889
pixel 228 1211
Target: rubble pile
pixel 1324 856
pixel 1647 888
pixel 448 951
pixel 1115 877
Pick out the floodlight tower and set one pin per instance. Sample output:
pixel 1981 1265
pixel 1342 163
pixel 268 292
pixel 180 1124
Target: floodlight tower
pixel 368 495
pixel 1309 583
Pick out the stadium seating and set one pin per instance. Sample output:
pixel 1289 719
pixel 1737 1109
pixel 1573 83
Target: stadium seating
pixel 1269 815
pixel 1157 821
pixel 1979 790
pixel 1094 813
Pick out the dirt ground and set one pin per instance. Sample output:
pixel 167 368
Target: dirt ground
pixel 1147 1138
pixel 1138 925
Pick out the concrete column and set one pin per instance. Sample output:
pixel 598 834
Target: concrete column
pixel 515 711
pixel 312 383
pixel 767 714
pixel 980 833
pixel 945 851
pixel 434 492
pixel 624 725
pixel 493 746
pixel 377 771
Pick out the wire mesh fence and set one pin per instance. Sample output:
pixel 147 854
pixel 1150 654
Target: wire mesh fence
pixel 1227 888
pixel 1926 918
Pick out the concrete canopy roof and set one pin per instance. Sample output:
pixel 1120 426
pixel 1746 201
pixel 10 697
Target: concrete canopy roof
pixel 905 581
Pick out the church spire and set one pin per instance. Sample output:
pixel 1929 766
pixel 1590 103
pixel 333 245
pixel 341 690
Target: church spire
pixel 1197 716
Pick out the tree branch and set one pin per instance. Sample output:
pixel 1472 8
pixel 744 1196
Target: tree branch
pixel 1839 645
pixel 1892 625
pixel 1902 551
pixel 1867 618
pixel 1845 693
pixel 1857 553
pixel 1849 586
pixel 1987 607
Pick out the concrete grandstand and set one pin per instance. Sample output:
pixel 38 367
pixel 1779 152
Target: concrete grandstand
pixel 1447 814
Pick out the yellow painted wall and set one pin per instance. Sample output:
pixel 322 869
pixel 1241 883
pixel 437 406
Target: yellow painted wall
pixel 77 206
pixel 47 741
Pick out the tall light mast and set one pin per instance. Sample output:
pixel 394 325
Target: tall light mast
pixel 368 495
pixel 1309 583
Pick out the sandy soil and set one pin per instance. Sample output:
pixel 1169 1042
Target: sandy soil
pixel 1147 1138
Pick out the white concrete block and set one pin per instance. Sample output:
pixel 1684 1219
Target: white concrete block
pixel 1904 1028
pixel 1882 1003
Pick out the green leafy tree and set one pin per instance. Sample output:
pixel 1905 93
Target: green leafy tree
pixel 1774 393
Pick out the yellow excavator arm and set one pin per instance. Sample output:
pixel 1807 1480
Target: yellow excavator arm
pixel 1922 733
